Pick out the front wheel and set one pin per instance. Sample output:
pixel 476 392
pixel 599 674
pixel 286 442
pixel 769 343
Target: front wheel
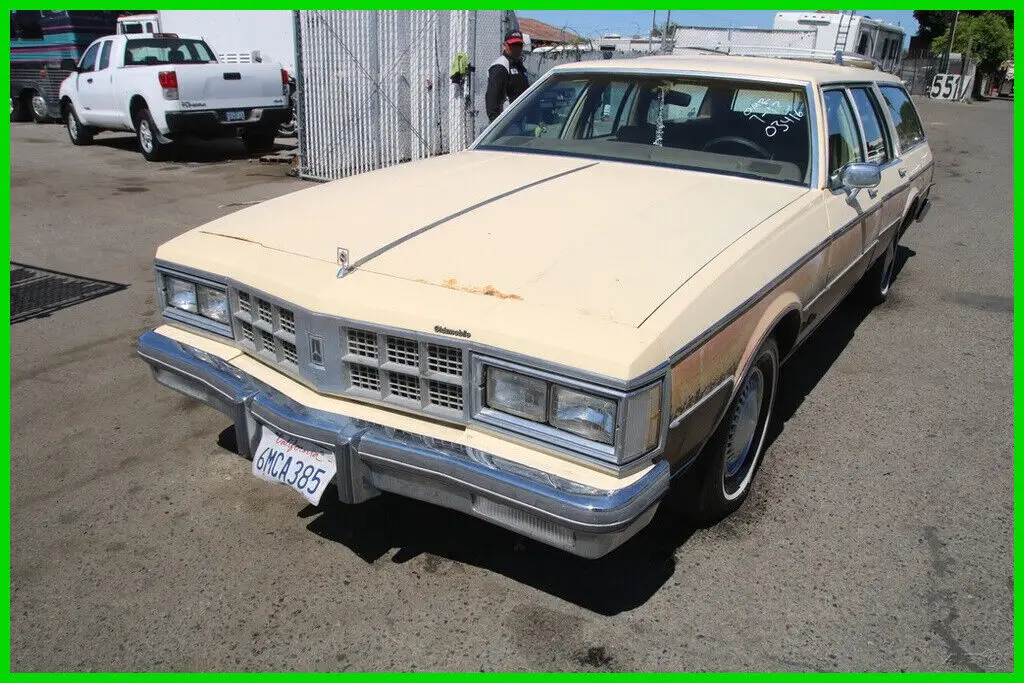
pixel 79 134
pixel 149 138
pixel 726 468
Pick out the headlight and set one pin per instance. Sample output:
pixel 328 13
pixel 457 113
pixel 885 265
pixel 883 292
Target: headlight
pixel 608 424
pixel 517 394
pixel 213 304
pixel 582 414
pixel 181 294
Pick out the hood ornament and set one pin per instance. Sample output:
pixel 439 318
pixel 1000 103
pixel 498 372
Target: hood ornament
pixel 343 262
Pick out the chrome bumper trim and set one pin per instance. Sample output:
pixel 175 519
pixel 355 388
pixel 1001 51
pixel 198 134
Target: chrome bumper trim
pixel 373 458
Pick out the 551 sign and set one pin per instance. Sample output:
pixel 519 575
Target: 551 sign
pixel 945 87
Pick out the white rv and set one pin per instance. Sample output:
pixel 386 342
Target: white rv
pixel 851 33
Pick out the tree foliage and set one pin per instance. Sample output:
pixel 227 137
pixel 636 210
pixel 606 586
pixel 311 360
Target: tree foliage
pixel 985 38
pixel 935 22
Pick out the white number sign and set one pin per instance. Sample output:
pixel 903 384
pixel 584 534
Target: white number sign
pixel 945 87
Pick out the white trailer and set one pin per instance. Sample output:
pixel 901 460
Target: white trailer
pixel 856 34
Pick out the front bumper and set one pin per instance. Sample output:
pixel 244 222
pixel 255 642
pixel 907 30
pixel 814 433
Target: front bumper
pixel 372 458
pixel 214 123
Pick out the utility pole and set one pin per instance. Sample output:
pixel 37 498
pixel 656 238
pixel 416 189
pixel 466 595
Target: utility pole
pixel 654 27
pixel 664 34
pixel 949 48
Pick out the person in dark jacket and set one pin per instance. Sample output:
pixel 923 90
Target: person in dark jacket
pixel 506 79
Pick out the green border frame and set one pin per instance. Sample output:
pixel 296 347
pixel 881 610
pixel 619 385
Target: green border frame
pixel 5 336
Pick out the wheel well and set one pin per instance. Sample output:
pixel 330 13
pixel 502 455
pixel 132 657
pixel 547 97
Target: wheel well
pixel 136 104
pixel 65 105
pixel 786 332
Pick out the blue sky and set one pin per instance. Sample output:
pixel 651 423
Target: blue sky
pixel 595 23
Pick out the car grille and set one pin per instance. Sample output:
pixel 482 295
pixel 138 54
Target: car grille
pixel 412 371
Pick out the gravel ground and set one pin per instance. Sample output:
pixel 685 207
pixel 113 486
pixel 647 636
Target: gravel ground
pixel 878 536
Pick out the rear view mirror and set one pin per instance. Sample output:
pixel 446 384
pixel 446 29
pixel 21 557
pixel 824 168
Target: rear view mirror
pixel 859 176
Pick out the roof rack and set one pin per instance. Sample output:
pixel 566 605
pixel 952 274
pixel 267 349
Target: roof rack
pixel 807 54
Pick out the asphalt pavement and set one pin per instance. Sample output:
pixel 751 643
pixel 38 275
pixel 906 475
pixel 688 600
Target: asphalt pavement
pixel 878 535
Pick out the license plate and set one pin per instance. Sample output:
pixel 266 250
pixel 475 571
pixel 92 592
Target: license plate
pixel 306 469
pixel 234 116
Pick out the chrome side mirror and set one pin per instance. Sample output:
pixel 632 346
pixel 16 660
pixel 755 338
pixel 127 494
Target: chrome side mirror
pixel 859 176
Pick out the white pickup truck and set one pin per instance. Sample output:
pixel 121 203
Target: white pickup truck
pixel 163 87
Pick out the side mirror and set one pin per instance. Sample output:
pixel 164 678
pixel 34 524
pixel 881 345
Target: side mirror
pixel 68 64
pixel 859 176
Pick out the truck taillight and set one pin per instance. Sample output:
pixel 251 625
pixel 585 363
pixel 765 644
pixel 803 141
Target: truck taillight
pixel 284 82
pixel 169 82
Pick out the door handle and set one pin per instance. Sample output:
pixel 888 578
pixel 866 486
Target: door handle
pixel 903 173
pixel 872 193
pixel 88 80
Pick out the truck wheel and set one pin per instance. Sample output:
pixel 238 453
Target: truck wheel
pixel 40 109
pixel 79 134
pixel 726 467
pixel 149 141
pixel 258 141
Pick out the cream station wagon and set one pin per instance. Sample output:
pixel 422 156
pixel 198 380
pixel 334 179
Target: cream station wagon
pixel 547 329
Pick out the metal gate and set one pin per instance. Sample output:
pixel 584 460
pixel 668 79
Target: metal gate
pixel 374 88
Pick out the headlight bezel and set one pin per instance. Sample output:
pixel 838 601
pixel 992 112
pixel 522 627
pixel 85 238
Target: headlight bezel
pixel 197 318
pixel 617 455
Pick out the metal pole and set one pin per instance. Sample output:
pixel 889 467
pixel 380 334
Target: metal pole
pixel 949 48
pixel 654 27
pixel 664 34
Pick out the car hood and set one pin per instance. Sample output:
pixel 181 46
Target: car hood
pixel 600 239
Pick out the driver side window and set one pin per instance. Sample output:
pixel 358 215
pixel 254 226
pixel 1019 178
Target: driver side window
pixel 843 137
pixel 88 62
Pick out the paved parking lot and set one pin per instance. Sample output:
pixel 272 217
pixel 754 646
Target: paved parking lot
pixel 878 536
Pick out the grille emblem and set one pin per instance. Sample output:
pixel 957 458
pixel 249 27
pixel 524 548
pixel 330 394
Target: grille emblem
pixel 316 350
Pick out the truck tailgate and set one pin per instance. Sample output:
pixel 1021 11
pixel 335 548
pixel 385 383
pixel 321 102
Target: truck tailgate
pixel 223 86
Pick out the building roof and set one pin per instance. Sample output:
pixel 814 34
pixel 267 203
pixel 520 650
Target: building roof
pixel 539 31
pixel 759 67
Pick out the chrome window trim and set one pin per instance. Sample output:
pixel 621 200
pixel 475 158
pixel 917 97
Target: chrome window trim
pixel 220 330
pixel 829 181
pixel 808 86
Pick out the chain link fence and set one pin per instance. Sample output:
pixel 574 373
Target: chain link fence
pixel 374 88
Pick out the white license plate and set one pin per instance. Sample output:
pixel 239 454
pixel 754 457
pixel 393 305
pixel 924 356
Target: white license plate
pixel 234 116
pixel 279 459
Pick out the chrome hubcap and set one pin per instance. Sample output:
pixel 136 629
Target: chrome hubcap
pixel 39 106
pixel 72 126
pixel 739 445
pixel 145 136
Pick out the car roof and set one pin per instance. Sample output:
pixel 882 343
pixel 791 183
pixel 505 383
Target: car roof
pixel 757 67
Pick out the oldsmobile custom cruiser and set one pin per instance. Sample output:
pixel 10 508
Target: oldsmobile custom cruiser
pixel 547 329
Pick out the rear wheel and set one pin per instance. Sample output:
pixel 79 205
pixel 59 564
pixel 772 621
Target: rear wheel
pixel 726 468
pixel 877 282
pixel 258 140
pixel 79 134
pixel 21 108
pixel 149 138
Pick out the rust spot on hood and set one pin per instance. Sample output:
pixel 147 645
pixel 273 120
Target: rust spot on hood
pixel 487 290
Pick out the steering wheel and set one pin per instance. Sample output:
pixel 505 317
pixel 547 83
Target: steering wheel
pixel 737 140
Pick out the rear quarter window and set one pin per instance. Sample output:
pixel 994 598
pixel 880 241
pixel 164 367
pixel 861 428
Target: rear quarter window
pixel 909 129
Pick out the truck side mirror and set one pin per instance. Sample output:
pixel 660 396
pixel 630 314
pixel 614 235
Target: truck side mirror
pixel 68 64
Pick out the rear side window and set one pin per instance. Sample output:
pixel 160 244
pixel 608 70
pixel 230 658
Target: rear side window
pixel 872 121
pixel 149 51
pixel 88 62
pixel 843 137
pixel 105 55
pixel 908 124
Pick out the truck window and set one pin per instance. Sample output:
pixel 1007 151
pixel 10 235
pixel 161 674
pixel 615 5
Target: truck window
pixel 147 51
pixel 105 55
pixel 88 62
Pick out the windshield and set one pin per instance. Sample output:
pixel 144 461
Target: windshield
pixel 741 128
pixel 148 51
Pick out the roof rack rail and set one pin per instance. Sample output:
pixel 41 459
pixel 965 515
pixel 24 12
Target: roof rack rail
pixel 807 54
